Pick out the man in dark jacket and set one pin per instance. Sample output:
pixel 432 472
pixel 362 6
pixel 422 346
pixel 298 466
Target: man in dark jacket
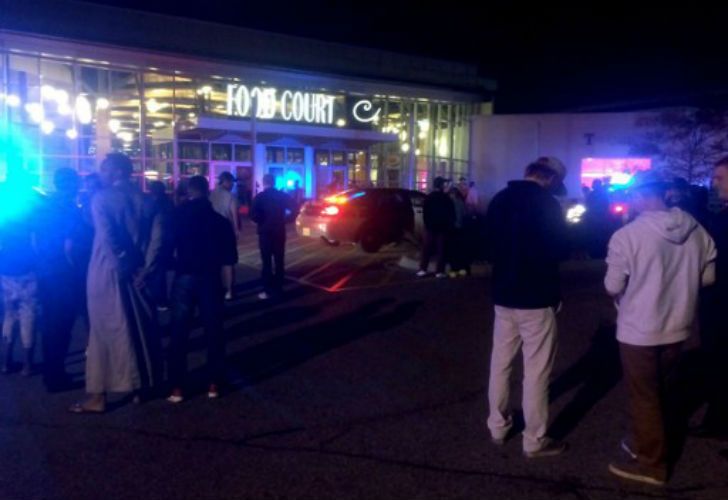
pixel 61 274
pixel 713 332
pixel 527 239
pixel 204 242
pixel 439 218
pixel 272 209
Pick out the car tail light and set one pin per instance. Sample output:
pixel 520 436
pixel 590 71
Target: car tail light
pixel 330 210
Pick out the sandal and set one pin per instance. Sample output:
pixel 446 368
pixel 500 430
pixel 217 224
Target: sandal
pixel 79 408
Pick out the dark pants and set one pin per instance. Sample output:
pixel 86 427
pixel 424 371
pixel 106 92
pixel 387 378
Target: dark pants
pixel 714 346
pixel 434 245
pixel 648 374
pixel 205 292
pixel 61 295
pixel 459 250
pixel 272 250
pixel 157 287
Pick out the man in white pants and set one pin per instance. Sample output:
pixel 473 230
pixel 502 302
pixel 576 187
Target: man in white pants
pixel 527 240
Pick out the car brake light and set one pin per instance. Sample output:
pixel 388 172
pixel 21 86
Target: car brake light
pixel 330 210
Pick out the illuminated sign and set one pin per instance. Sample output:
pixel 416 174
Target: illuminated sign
pixel 288 105
pixel 367 107
pixel 270 103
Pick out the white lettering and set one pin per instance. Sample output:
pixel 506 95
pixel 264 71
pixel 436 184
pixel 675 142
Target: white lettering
pixel 290 106
pixel 298 110
pixel 309 109
pixel 330 117
pixel 286 112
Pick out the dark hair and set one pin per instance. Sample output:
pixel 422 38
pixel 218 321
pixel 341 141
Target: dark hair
pixel 723 162
pixel 540 171
pixel 654 189
pixel 66 180
pixel 199 185
pixel 681 183
pixel 120 162
pixel 226 176
pixel 157 188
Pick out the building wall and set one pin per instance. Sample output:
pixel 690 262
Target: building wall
pixel 502 145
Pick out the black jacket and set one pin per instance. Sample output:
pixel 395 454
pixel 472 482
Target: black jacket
pixel 718 229
pixel 527 238
pixel 272 209
pixel 438 212
pixel 204 240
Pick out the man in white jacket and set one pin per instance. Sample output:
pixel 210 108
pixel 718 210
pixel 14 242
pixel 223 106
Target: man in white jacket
pixel 657 264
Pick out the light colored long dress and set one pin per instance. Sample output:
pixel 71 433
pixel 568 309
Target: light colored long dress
pixel 119 358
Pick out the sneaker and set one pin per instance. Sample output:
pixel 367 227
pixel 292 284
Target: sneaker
pixel 421 273
pixel 213 392
pixel 550 449
pixel 452 274
pixel 462 272
pixel 631 470
pixel 263 296
pixel 176 397
pixel 228 295
pixel 627 448
pixel 162 309
pixel 441 275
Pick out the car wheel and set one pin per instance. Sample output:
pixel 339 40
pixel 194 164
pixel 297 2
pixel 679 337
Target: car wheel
pixel 370 241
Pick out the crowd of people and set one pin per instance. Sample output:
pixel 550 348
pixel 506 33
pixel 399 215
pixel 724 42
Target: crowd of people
pixel 106 254
pixel 118 257
pixel 451 215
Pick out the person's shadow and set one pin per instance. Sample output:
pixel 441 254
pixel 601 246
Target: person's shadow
pixel 596 373
pixel 264 361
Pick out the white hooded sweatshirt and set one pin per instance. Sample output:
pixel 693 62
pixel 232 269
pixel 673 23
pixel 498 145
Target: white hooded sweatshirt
pixel 656 266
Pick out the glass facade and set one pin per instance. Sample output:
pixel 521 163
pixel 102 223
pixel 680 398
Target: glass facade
pixel 72 112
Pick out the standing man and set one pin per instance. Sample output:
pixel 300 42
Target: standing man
pixel 438 215
pixel 527 240
pixel 121 352
pixel 224 203
pixel 657 264
pixel 714 335
pixel 204 242
pixel 272 209
pixel 62 248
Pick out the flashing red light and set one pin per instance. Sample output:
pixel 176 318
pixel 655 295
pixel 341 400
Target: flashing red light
pixel 330 210
pixel 619 208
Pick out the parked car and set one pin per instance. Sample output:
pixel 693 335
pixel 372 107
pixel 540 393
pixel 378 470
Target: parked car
pixel 371 217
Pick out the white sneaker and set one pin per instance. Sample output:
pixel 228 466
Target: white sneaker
pixel 421 273
pixel 441 275
pixel 263 296
pixel 228 295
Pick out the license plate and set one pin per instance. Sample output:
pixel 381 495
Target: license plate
pixel 306 231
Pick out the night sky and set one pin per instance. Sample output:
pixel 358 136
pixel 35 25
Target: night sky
pixel 546 58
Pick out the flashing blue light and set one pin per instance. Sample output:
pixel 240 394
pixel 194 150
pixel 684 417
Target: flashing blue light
pixel 18 192
pixel 622 179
